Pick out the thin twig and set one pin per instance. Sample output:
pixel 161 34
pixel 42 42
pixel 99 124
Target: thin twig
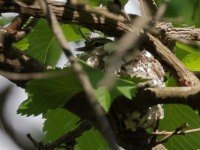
pixel 35 143
pixel 101 123
pixel 171 134
pixel 162 8
pixel 71 136
pixel 178 133
pixel 145 11
pixel 28 76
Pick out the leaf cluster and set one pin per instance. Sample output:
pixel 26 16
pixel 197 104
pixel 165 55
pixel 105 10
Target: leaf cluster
pixel 48 96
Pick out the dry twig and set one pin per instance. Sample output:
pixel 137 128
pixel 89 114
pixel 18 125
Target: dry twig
pixel 171 134
pixel 178 133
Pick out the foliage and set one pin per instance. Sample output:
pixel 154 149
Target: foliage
pixel 48 96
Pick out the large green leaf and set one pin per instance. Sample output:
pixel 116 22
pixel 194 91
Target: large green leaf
pixel 45 94
pixel 57 123
pixel 186 48
pixel 176 115
pixel 91 140
pixel 43 45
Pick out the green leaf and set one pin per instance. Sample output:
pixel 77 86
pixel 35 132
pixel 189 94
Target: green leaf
pixel 58 122
pixel 126 88
pixel 104 98
pixel 192 61
pixel 171 82
pixel 43 45
pixel 45 94
pixel 22 45
pixel 122 87
pixel 71 32
pixel 174 11
pixel 104 2
pixel 1 21
pixel 24 109
pixel 175 116
pixel 186 48
pixel 133 79
pixel 91 140
pixel 94 2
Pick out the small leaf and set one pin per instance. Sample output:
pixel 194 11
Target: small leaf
pixel 58 122
pixel 171 82
pixel 104 98
pixel 24 109
pixel 126 88
pixel 22 45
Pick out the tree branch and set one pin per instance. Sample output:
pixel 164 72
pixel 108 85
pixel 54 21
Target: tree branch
pixel 178 133
pixel 70 14
pixel 101 121
pixel 76 15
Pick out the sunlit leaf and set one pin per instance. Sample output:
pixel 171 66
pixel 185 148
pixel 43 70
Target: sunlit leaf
pixel 186 48
pixel 192 61
pixel 22 45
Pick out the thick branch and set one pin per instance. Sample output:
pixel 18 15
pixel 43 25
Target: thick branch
pixel 12 60
pixel 144 98
pixel 69 14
